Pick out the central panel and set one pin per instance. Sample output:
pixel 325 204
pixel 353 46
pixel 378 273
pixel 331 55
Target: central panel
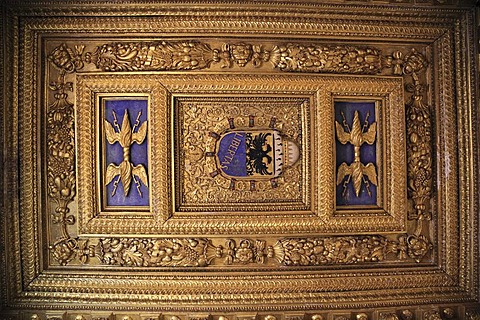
pixel 237 154
pixel 241 153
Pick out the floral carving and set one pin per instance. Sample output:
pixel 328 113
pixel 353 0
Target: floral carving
pixel 406 315
pixel 247 251
pixel 172 55
pixel 388 316
pixel 432 315
pixel 333 250
pixel 190 55
pixel 154 252
pixel 331 59
pixel 64 250
pixel 418 247
pixel 419 132
pixel 241 54
pixel 66 59
pixel 61 144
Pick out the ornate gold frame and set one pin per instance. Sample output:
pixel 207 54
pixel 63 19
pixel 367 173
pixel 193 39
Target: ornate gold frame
pixel 416 258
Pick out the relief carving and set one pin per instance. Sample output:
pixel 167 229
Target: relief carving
pixel 326 58
pixel 203 181
pixel 334 250
pixel 190 55
pixel 154 252
pixel 201 252
pixel 419 132
pixel 61 149
pixel 163 55
pixel 126 136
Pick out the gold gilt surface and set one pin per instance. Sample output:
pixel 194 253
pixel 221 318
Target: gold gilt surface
pixel 208 247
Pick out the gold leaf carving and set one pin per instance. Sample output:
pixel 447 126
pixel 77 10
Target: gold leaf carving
pixel 356 135
pixel 326 58
pixel 334 250
pixel 419 132
pixel 61 149
pixel 126 137
pixel 171 55
pixel 190 55
pixel 200 118
pixel 154 252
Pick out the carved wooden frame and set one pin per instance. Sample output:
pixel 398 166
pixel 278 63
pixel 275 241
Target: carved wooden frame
pixel 426 266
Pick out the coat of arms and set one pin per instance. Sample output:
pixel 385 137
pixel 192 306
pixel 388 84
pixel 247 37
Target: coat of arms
pixel 253 154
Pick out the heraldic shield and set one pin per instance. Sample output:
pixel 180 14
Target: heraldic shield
pixel 255 154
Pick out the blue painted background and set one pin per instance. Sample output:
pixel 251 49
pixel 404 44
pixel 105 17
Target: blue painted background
pixel 345 153
pixel 138 153
pixel 237 167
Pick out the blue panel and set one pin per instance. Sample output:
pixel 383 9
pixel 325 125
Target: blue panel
pixel 345 153
pixel 232 154
pixel 138 153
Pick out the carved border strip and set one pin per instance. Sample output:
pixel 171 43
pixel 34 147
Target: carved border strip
pixel 445 312
pixel 199 252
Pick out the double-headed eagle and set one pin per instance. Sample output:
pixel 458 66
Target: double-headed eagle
pixel 126 137
pixel 357 135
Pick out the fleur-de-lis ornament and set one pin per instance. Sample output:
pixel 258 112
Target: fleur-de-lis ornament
pixel 126 136
pixel 357 135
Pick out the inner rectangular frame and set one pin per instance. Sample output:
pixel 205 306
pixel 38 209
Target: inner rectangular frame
pixel 302 205
pixel 322 219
